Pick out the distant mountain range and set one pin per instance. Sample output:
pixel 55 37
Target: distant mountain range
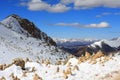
pixel 74 42
pixel 21 38
pixel 78 47
pixel 107 46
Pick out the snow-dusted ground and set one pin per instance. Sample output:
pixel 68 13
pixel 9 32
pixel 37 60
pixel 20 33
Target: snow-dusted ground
pixel 87 71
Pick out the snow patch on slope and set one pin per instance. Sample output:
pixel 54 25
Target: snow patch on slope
pixel 13 24
pixel 113 43
pixel 97 44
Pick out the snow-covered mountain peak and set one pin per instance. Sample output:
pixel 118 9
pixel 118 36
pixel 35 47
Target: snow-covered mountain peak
pixel 21 38
pixel 26 27
pixel 113 42
pixel 98 43
pixel 11 23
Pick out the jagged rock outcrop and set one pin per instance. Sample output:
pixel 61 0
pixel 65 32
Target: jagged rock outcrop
pixel 33 30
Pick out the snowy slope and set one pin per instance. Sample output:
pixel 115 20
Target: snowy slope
pixel 113 43
pixel 17 42
pixel 86 70
pixel 13 24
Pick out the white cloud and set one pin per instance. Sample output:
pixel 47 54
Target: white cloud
pixel 107 14
pixel 39 5
pixel 102 25
pixel 63 5
pixel 67 24
pixel 58 8
pixel 99 25
pixel 85 4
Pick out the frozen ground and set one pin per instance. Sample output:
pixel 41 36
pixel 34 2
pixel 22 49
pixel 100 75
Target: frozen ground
pixel 84 70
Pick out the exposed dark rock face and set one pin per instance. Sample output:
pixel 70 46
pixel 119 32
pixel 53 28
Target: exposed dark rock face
pixel 118 48
pixel 78 51
pixel 106 49
pixel 33 30
pixel 72 50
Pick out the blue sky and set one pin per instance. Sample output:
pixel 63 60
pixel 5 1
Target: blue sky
pixel 69 18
